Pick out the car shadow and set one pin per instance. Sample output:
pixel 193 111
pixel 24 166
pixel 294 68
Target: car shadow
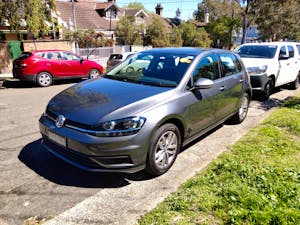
pixel 42 162
pixel 15 83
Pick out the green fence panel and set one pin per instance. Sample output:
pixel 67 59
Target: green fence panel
pixel 14 49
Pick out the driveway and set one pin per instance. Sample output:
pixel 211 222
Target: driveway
pixel 34 183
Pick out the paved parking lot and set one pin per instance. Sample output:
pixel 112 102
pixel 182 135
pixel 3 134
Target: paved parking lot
pixel 34 183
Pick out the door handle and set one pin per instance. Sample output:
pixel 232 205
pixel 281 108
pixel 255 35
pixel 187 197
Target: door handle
pixel 222 88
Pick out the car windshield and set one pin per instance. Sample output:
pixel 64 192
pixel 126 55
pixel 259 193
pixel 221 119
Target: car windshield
pixel 158 69
pixel 257 51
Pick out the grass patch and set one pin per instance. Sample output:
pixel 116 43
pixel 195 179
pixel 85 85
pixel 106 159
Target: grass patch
pixel 256 182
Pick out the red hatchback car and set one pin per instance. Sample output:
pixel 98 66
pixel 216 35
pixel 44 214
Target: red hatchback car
pixel 44 66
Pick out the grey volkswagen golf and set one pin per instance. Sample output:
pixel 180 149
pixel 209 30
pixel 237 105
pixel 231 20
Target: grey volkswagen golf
pixel 142 111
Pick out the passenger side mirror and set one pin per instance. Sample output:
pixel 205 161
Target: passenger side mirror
pixel 283 56
pixel 203 83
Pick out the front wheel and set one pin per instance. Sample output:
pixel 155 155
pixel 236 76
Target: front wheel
pixel 268 89
pixel 94 73
pixel 163 149
pixel 44 79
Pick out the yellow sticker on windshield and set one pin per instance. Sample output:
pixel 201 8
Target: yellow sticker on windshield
pixel 185 60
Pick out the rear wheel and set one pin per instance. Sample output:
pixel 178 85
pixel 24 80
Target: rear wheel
pixel 163 149
pixel 94 73
pixel 295 84
pixel 44 79
pixel 241 114
pixel 268 89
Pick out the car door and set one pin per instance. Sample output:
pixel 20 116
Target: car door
pixel 230 85
pixel 72 65
pixel 202 103
pixel 288 67
pixel 53 64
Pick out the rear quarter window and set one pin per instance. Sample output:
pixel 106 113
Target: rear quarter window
pixel 298 48
pixel 25 55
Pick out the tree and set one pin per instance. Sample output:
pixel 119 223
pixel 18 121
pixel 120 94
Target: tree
pixel 34 12
pixel 277 20
pixel 221 29
pixel 88 39
pixel 127 32
pixel 193 36
pixel 156 33
pixel 137 5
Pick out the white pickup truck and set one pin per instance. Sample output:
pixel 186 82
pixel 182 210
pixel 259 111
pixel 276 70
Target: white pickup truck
pixel 271 64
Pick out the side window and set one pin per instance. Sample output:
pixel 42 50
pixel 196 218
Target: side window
pixel 283 51
pixel 298 48
pixel 207 68
pixel 70 56
pixel 291 51
pixel 237 63
pixel 229 66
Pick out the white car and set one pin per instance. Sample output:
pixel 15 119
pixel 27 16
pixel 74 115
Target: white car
pixel 271 64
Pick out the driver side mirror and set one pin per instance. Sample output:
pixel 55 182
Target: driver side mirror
pixel 203 83
pixel 81 60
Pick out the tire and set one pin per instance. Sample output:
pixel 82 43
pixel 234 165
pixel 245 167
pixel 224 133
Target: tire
pixel 163 149
pixel 241 114
pixel 296 83
pixel 44 79
pixel 268 89
pixel 94 73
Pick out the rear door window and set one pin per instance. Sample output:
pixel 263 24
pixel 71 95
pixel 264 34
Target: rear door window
pixel 229 64
pixel 291 51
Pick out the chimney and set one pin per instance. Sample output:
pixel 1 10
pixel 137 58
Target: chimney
pixel 159 9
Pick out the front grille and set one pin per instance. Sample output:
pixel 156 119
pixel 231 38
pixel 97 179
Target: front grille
pixel 72 123
pixel 90 162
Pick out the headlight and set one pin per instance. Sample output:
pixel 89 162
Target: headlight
pixel 120 127
pixel 257 69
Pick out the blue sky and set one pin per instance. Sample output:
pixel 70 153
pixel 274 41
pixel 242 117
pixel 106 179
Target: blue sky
pixel 187 7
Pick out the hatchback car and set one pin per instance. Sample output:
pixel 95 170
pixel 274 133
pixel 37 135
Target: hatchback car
pixel 44 66
pixel 116 58
pixel 127 121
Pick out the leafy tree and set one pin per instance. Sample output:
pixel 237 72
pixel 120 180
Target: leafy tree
pixel 221 30
pixel 88 39
pixel 175 37
pixel 137 5
pixel 156 33
pixel 277 20
pixel 127 32
pixel 193 36
pixel 34 12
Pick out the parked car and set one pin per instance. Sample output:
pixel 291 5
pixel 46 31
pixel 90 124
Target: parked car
pixel 271 64
pixel 129 121
pixel 117 58
pixel 44 66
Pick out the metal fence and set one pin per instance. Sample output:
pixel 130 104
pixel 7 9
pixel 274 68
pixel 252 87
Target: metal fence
pixel 101 55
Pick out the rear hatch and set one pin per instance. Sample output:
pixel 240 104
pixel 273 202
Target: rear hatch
pixel 19 62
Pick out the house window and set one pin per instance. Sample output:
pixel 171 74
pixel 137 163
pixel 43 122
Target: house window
pixel 111 13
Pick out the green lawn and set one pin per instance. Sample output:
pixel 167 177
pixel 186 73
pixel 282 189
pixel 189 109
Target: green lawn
pixel 257 181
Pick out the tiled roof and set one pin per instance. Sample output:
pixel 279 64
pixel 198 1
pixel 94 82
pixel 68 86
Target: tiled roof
pixel 86 15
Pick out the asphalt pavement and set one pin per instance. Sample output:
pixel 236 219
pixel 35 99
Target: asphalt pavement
pixel 36 184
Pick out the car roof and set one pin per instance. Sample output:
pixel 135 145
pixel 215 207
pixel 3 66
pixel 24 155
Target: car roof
pixel 51 50
pixel 183 50
pixel 271 43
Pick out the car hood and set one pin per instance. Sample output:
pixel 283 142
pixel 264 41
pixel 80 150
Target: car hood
pixel 99 100
pixel 254 62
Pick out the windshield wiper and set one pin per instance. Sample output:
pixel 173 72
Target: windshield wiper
pixel 159 84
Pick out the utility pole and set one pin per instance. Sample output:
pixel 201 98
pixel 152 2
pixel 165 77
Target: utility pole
pixel 74 23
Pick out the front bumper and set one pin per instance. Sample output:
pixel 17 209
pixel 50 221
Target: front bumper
pixel 97 154
pixel 259 81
